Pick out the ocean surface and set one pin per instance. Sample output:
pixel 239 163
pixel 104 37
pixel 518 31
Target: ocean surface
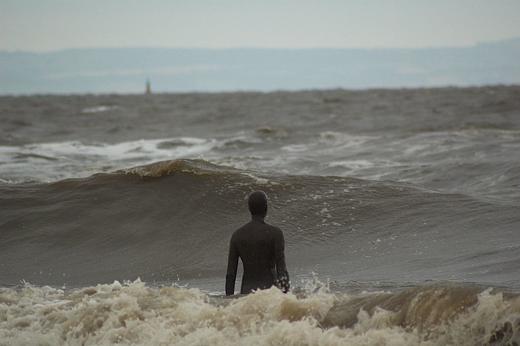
pixel 400 209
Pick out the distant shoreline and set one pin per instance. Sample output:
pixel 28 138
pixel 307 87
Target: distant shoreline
pixel 268 92
pixel 126 70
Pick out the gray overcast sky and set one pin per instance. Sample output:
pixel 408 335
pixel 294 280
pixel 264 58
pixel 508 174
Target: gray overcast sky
pixel 41 25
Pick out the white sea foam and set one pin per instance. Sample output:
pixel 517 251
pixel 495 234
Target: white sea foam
pixel 343 138
pixel 352 164
pixel 295 148
pixel 124 150
pixel 98 109
pixel 76 159
pixel 134 314
pixel 258 180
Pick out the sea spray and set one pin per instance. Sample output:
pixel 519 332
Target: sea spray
pixel 135 313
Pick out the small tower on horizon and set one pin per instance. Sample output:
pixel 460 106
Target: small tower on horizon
pixel 148 90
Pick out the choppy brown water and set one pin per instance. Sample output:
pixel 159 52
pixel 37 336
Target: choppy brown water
pixel 407 201
pixel 171 220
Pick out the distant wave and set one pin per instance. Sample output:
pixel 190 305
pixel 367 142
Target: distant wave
pixel 173 219
pixel 166 168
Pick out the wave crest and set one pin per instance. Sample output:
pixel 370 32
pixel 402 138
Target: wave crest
pixel 169 167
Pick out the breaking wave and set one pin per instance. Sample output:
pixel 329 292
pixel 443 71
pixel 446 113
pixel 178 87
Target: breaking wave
pixel 172 220
pixel 134 313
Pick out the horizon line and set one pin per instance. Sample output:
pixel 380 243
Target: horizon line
pixel 228 48
pixel 267 91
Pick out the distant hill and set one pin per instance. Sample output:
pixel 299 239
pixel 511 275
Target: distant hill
pixel 124 70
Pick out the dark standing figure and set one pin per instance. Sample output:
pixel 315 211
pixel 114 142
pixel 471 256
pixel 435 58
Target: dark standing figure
pixel 260 246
